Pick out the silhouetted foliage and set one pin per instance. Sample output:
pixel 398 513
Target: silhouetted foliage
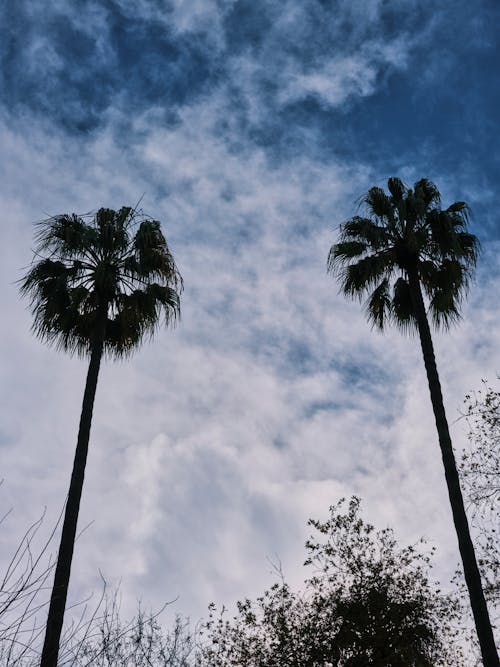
pixel 368 602
pixel 22 599
pixel 100 637
pixel 109 641
pixel 480 472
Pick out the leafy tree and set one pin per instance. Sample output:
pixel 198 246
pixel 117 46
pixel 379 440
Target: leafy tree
pixel 407 247
pixel 480 472
pixel 97 286
pixel 369 602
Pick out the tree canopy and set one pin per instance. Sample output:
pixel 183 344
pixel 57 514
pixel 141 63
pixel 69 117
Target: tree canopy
pixel 368 602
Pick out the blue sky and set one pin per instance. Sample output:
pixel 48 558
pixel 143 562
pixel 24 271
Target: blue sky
pixel 250 129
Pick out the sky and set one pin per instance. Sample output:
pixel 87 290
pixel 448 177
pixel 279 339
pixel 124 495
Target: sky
pixel 250 128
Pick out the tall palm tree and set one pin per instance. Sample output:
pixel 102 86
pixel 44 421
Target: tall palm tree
pixel 97 286
pixel 408 251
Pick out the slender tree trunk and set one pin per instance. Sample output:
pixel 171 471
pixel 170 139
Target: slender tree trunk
pixel 471 570
pixel 55 617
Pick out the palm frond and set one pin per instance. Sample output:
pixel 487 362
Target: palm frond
pixel 445 289
pixel 450 238
pixel 444 308
pixel 378 203
pixel 453 276
pixel 113 229
pixel 461 210
pixel 343 252
pixel 378 307
pixel 402 306
pixel 360 276
pixel 167 300
pixel 427 192
pixel 364 230
pixel 467 248
pixel 428 270
pixel 152 256
pixel 397 189
pixel 67 236
pixel 139 317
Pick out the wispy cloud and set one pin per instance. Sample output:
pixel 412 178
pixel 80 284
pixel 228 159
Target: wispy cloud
pixel 251 129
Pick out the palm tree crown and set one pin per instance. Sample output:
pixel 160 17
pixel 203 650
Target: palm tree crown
pixel 110 272
pixel 405 235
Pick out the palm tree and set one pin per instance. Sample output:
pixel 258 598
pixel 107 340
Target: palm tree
pixel 97 286
pixel 407 251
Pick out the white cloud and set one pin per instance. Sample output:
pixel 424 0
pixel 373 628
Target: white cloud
pixel 350 76
pixel 212 447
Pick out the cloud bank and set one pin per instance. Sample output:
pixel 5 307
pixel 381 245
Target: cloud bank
pixel 250 130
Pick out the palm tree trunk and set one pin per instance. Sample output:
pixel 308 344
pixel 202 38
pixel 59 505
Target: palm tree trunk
pixel 61 578
pixel 471 570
